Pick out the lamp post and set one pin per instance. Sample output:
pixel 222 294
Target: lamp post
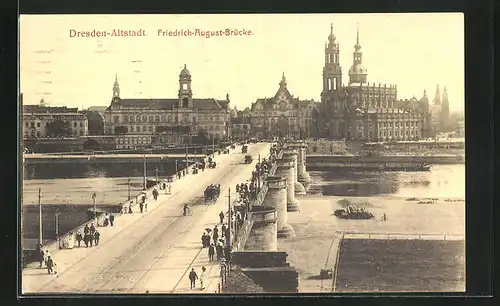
pixel 40 234
pixel 145 170
pixel 128 183
pixel 56 216
pixel 95 210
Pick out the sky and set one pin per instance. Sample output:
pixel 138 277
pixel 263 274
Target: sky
pixel 413 51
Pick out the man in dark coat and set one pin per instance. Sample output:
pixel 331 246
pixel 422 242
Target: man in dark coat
pixel 219 251
pixel 211 252
pixel 193 277
pixel 141 206
pixel 112 219
pixel 221 217
pixel 204 240
pixel 97 235
pixel 50 264
pixel 92 229
pixel 223 230
pixel 215 235
pixel 86 229
pixel 39 251
pixel 79 237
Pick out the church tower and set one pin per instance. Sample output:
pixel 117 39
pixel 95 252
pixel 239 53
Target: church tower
pixel 445 111
pixel 357 74
pixel 332 72
pixel 185 93
pixel 116 88
pixel 437 97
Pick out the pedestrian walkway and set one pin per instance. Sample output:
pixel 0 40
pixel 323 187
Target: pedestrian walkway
pixel 34 277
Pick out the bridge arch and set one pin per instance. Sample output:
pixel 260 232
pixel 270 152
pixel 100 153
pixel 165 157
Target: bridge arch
pixel 91 144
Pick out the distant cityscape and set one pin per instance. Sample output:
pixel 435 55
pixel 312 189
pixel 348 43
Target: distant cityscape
pixel 358 111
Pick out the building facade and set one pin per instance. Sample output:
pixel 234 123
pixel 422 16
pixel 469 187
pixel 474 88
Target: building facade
pixel 360 110
pixel 326 147
pixel 43 121
pixel 283 115
pixel 172 117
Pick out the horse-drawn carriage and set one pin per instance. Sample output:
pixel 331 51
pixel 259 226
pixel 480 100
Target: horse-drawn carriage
pixel 248 159
pixel 212 193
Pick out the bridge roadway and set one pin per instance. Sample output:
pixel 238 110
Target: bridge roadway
pixel 104 158
pixel 157 249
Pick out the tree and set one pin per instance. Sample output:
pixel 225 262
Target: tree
pixel 121 130
pixel 59 128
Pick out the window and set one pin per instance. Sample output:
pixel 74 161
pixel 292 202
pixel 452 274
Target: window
pixel 81 124
pixel 144 118
pixel 81 133
pixel 163 118
pixel 132 128
pixel 116 121
pixel 27 124
pixel 150 118
pixel 32 124
pixel 138 118
pixel 144 129
pixel 185 102
pixel 184 86
pixel 150 128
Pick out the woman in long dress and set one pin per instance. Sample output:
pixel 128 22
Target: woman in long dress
pixel 202 277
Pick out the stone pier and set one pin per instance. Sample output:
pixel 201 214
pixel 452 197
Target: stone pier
pixel 264 235
pixel 286 170
pixel 302 175
pixel 276 197
pixel 298 187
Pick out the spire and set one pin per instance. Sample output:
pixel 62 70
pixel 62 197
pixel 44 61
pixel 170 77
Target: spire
pixel 445 95
pixel 116 87
pixel 357 46
pixel 437 97
pixel 331 37
pixel 283 81
pixel 425 93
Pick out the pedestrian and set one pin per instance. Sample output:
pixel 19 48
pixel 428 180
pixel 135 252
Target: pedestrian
pixel 141 206
pixel 218 251
pixel 86 240
pixel 40 253
pixel 130 207
pixel 86 229
pixel 204 239
pixel 106 219
pixel 215 236
pixel 91 239
pixel 92 229
pixel 221 217
pixel 223 272
pixel 97 235
pixel 193 277
pixel 202 277
pixel 112 219
pixel 223 230
pixel 46 256
pixel 50 264
pixel 79 237
pixel 211 252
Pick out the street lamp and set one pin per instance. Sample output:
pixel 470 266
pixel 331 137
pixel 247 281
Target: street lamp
pixel 56 216
pixel 95 210
pixel 128 183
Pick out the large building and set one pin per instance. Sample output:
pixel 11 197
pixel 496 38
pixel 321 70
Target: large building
pixel 40 121
pixel 168 119
pixel 283 115
pixel 360 110
pixel 440 111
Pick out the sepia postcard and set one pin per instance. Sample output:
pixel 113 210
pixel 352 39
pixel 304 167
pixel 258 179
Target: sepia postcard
pixel 242 154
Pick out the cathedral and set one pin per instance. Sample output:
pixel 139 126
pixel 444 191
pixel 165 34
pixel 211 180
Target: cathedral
pixel 166 119
pixel 360 110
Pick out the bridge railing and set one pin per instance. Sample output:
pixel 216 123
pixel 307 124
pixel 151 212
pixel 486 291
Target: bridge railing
pixel 401 236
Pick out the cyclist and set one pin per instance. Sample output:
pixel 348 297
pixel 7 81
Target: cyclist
pixel 186 210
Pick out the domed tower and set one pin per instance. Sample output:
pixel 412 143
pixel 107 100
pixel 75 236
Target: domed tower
pixel 185 93
pixel 357 73
pixel 116 88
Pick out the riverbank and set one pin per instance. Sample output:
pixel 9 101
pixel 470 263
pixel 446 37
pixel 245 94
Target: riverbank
pixel 315 228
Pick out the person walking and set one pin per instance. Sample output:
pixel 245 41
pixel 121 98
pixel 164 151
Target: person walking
pixel 92 229
pixel 86 229
pixel 106 219
pixel 141 206
pixel 111 219
pixel 202 277
pixel 204 240
pixel 221 217
pixel 211 252
pixel 46 256
pixel 218 251
pixel 91 239
pixel 86 240
pixel 40 253
pixel 79 237
pixel 193 277
pixel 50 264
pixel 223 230
pixel 97 236
pixel 215 235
